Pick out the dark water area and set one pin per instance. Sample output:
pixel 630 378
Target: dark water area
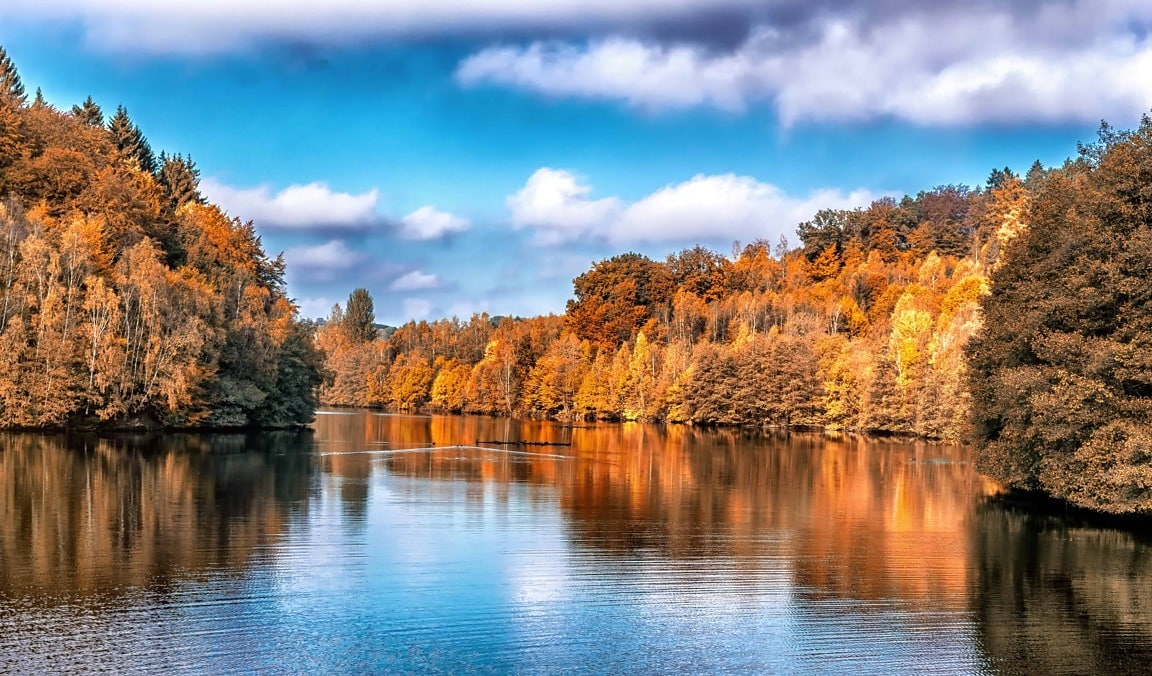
pixel 385 543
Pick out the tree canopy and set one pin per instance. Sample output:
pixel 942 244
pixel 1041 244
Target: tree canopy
pixel 360 316
pixel 89 113
pixel 1062 371
pixel 861 329
pixel 124 296
pixel 11 86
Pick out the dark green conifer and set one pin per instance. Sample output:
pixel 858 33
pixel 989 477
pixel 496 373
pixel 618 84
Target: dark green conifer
pixel 360 316
pixel 998 178
pixel 130 140
pixel 89 113
pixel 180 180
pixel 10 85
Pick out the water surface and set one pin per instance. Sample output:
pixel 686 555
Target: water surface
pixel 392 543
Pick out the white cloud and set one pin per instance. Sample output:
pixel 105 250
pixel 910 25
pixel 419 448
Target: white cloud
pixel 427 223
pixel 329 257
pixel 727 206
pixel 417 308
pixel 313 205
pixel 938 65
pixel 416 281
pixel 642 75
pixel 220 25
pixel 555 204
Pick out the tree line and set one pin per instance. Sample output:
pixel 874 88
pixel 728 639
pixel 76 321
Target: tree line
pixel 862 327
pixel 1017 316
pixel 125 298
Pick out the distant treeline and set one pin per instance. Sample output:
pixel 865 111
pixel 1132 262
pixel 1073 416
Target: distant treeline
pixel 876 323
pixel 124 297
pixel 861 328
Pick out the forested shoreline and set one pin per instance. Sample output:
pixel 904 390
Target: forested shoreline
pixel 1016 315
pixel 1061 374
pixel 863 328
pixel 127 300
pixel 876 323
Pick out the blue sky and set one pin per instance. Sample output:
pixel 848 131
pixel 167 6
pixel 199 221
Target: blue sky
pixel 456 157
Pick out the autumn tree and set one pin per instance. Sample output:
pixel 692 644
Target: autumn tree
pixel 701 272
pixel 639 395
pixel 617 297
pixel 357 372
pixel 943 223
pixel 826 230
pixel 1062 397
pixel 597 394
pixel 450 387
pixel 556 377
pixel 114 309
pixel 410 379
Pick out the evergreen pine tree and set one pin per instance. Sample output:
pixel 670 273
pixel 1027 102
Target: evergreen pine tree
pixel 39 101
pixel 10 85
pixel 180 180
pixel 360 317
pixel 89 113
pixel 130 140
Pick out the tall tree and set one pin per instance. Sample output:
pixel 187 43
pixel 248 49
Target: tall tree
pixel 617 297
pixel 360 317
pixel 700 271
pixel 11 87
pixel 180 180
pixel 89 113
pixel 828 228
pixel 130 141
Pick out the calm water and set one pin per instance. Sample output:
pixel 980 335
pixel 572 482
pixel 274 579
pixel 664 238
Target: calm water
pixel 359 548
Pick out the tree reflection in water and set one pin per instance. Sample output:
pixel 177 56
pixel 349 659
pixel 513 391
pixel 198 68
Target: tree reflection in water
pixel 884 552
pixel 1054 595
pixel 94 516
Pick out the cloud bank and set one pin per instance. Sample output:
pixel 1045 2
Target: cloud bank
pixel 942 66
pixel 557 206
pixel 939 63
pixel 213 26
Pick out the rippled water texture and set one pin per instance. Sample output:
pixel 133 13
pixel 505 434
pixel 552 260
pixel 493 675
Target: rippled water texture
pixel 391 543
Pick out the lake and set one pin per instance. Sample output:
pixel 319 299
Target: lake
pixel 389 543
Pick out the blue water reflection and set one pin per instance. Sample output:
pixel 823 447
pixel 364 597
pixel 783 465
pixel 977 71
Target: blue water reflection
pixel 386 543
